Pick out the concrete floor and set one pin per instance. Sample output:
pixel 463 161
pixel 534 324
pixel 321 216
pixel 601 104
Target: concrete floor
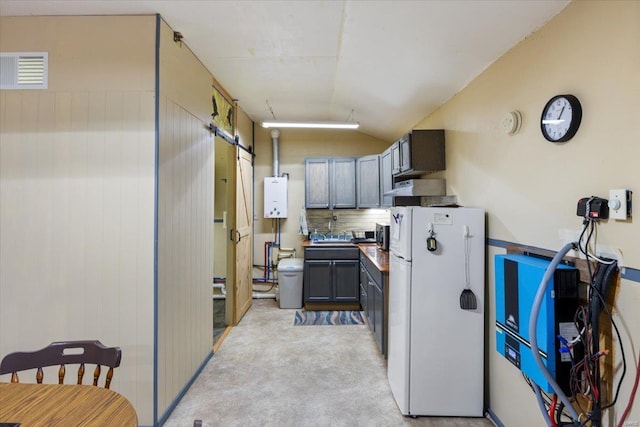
pixel 270 373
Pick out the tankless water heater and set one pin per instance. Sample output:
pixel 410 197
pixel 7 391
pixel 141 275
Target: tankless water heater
pixel 275 197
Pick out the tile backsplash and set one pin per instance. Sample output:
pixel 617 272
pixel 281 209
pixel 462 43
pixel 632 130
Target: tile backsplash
pixel 347 220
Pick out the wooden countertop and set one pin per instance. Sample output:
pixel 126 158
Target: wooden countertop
pixel 64 405
pixel 377 256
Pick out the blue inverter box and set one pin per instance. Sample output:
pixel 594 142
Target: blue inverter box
pixel 517 278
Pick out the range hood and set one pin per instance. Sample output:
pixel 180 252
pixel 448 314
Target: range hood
pixel 418 187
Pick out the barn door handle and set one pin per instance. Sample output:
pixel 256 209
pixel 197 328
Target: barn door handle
pixel 231 236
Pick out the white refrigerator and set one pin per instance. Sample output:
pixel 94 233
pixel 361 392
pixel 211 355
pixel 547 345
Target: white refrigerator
pixel 436 338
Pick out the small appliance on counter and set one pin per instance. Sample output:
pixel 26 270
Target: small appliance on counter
pixel 382 236
pixel 362 236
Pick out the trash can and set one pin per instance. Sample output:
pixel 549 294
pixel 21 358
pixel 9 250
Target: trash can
pixel 290 282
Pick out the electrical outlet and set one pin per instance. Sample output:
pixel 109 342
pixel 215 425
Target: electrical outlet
pixel 619 204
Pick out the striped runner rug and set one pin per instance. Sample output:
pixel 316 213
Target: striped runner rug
pixel 328 318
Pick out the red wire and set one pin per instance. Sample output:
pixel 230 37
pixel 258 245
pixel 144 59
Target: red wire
pixel 552 411
pixel 632 397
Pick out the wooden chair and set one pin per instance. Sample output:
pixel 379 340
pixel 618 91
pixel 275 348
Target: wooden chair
pixel 64 353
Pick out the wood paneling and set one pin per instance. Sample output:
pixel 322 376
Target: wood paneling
pixel 77 164
pixel 76 225
pixel 185 219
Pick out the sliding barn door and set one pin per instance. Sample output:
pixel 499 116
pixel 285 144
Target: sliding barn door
pixel 243 234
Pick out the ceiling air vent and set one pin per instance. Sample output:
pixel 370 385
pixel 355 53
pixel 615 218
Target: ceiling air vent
pixel 24 70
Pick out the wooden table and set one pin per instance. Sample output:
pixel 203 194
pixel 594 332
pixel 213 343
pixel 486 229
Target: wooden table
pixel 64 405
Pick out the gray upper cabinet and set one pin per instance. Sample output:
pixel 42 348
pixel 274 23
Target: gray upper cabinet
pixel 316 183
pixel 386 178
pixel 343 177
pixel 418 152
pixel 395 158
pixel 369 181
pixel 330 182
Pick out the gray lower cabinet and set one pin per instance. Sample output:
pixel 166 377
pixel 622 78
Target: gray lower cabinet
pixel 372 283
pixel 330 182
pixel 331 275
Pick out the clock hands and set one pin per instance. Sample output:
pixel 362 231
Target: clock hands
pixel 561 111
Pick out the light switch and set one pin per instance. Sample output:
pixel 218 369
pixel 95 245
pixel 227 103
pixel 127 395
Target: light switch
pixel 619 204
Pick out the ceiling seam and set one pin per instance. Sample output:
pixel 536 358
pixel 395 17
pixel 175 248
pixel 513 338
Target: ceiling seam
pixel 343 18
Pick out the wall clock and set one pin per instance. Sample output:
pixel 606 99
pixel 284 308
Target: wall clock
pixel 561 118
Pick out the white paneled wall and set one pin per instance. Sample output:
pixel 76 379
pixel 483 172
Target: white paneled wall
pixel 185 249
pixel 185 219
pixel 76 226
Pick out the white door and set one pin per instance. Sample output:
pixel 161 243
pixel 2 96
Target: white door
pixel 399 330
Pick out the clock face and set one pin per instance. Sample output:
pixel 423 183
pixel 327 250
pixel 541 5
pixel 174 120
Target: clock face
pixel 561 118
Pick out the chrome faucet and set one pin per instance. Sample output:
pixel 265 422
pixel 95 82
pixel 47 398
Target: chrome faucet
pixel 332 221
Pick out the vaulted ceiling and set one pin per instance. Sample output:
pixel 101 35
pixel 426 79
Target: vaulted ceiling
pixel 385 64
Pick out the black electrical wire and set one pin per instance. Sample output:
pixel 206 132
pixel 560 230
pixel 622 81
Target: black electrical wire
pixel 608 275
pixel 600 280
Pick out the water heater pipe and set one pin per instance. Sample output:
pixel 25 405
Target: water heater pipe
pixel 275 139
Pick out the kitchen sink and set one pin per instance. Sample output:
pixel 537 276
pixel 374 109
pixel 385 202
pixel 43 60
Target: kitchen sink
pixel 331 242
pixel 328 239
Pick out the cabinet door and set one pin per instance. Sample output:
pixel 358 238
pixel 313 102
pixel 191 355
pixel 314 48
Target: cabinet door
pixel 379 315
pixel 343 178
pixel 316 183
pixel 369 181
pixel 318 281
pixel 395 158
pixel 371 304
pixel 346 281
pixel 405 153
pixel 386 179
pixel 363 298
pixel 363 288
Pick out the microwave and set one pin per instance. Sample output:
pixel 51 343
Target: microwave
pixel 382 236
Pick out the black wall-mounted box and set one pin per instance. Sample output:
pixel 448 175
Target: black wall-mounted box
pixel 593 207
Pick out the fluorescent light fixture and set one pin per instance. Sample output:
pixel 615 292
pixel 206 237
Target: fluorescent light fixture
pixel 310 125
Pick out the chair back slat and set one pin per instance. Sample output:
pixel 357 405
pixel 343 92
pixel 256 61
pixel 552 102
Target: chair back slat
pixel 109 376
pixel 61 373
pixel 96 375
pixel 61 354
pixel 81 373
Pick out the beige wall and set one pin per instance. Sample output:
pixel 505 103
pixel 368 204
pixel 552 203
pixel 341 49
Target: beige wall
pixel 295 145
pixel 77 194
pixel 185 218
pixel 529 186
